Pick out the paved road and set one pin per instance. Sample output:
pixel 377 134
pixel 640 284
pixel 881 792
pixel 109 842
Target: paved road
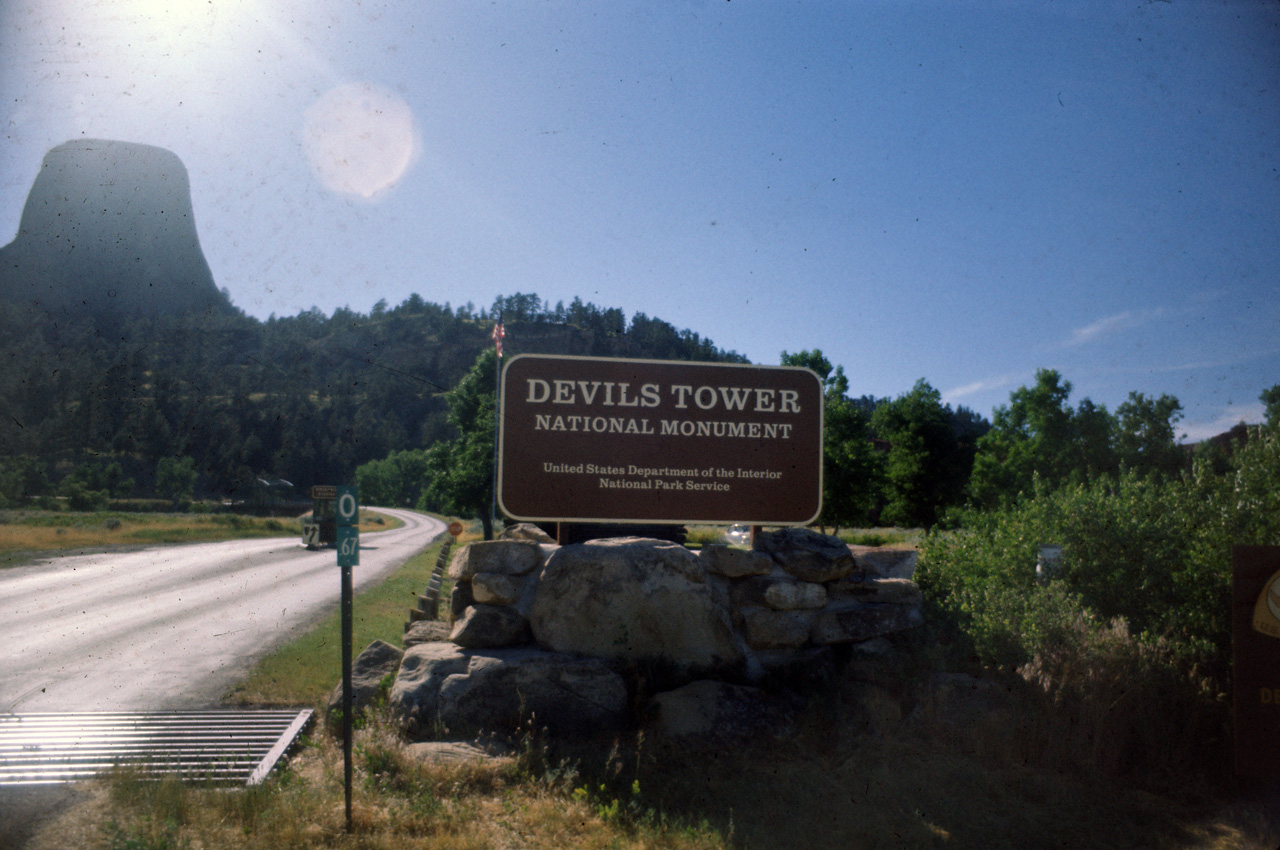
pixel 171 626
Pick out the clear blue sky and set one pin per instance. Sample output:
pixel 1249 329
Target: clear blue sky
pixel 949 190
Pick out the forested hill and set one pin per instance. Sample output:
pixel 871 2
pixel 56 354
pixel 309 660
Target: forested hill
pixel 306 398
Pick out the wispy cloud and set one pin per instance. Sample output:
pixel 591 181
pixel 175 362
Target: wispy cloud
pixel 985 385
pixel 1222 363
pixel 1110 325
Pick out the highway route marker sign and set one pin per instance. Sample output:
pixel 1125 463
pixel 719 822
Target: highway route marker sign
pixel 348 535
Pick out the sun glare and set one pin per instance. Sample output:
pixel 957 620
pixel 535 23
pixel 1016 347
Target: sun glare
pixel 180 22
pixel 359 139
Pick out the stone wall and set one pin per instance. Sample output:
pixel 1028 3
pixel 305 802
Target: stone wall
pixel 544 633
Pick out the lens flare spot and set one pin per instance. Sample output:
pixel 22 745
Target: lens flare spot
pixel 359 139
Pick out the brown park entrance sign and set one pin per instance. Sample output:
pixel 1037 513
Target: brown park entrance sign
pixel 615 440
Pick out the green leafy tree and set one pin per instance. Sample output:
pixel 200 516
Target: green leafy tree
pixel 22 479
pixel 851 470
pixel 928 465
pixel 459 472
pixel 107 477
pixel 1038 436
pixel 398 480
pixel 1271 398
pixel 1094 436
pixel 176 479
pixel 1145 435
pixel 81 498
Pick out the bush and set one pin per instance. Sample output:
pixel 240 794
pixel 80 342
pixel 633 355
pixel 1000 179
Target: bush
pixel 1133 547
pixel 1125 705
pixel 1131 641
pixel 80 498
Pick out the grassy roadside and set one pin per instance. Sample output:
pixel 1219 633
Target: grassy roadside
pixel 304 671
pixel 25 535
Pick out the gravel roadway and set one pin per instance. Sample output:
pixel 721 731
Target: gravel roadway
pixel 171 626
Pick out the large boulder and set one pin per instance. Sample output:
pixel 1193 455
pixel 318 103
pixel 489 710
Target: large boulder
pixel 509 691
pixel 485 626
pixel 734 563
pixel 898 591
pixel 525 531
pixel 716 712
pixel 378 661
pixel 767 628
pixel 846 622
pixel 877 562
pixel 635 599
pixel 415 695
pixel 505 557
pixel 497 589
pixel 460 598
pixel 806 554
pixel 425 631
pixel 780 592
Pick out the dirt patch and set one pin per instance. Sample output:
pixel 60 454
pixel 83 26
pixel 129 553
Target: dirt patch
pixel 26 810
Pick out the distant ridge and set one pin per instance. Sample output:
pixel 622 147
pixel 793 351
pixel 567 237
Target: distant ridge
pixel 108 231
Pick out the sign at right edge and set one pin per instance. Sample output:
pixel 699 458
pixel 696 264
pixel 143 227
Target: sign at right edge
pixel 1255 629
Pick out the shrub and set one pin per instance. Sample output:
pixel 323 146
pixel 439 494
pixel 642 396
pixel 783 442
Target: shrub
pixel 1124 704
pixel 1133 547
pixel 1131 641
pixel 80 498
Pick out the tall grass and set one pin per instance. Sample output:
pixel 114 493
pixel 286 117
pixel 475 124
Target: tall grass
pixel 400 801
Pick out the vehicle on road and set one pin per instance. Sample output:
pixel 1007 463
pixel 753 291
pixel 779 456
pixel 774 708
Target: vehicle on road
pixel 321 528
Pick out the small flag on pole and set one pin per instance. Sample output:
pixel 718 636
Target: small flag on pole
pixel 498 333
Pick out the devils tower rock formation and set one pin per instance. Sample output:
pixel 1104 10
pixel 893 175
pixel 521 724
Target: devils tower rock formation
pixel 108 231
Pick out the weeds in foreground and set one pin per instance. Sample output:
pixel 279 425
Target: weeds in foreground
pixel 143 836
pixel 941 772
pixel 401 801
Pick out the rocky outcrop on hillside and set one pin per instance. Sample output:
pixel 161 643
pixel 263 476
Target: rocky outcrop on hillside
pixel 108 231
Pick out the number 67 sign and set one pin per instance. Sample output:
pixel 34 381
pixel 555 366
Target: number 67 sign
pixel 348 546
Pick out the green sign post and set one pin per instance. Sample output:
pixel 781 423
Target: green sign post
pixel 348 539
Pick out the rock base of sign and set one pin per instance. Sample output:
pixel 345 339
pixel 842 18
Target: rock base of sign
pixel 368 670
pixel 445 690
pixel 712 712
pixel 635 599
pixel 595 636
